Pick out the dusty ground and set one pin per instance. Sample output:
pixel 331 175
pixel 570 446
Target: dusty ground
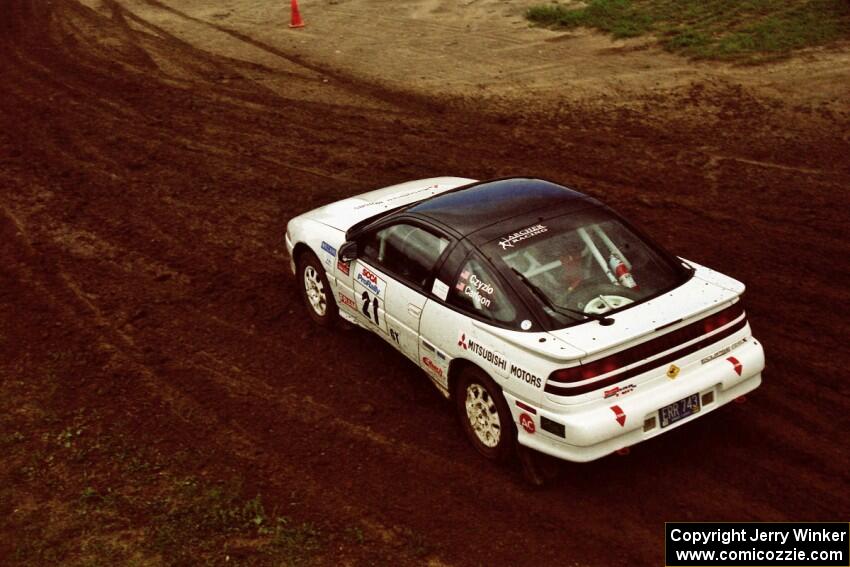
pixel 150 155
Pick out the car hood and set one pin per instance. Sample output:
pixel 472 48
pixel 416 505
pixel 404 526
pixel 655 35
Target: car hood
pixel 706 292
pixel 344 214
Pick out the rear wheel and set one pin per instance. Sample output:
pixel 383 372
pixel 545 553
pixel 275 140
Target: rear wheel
pixel 484 414
pixel 316 291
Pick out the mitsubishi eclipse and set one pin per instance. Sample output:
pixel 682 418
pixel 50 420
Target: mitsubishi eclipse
pixel 545 317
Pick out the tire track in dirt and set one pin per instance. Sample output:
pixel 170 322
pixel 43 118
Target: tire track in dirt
pixel 208 209
pixel 225 433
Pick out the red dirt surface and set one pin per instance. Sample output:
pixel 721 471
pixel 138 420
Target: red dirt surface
pixel 146 306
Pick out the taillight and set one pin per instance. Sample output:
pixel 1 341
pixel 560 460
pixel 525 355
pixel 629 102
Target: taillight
pixel 722 318
pixel 590 370
pixel 648 349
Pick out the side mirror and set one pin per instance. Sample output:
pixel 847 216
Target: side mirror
pixel 348 251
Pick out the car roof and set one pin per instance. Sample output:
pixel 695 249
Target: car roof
pixel 472 208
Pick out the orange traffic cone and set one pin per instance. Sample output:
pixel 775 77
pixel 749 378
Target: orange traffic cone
pixel 296 21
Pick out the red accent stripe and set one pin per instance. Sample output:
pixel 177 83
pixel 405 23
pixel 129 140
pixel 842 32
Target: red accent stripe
pixel 526 407
pixel 554 388
pixel 671 340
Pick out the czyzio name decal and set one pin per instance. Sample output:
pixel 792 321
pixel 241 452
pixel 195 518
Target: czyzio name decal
pixel 329 249
pixel 493 358
pixel 525 375
pixel 520 235
pixel 480 286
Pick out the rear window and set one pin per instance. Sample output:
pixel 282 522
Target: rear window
pixel 587 261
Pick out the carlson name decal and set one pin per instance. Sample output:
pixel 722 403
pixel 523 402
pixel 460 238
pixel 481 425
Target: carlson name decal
pixel 493 358
pixel 525 375
pixel 520 235
pixel 329 249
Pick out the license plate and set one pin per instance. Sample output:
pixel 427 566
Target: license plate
pixel 679 410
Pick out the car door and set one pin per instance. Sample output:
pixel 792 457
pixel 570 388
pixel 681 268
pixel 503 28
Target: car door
pixel 465 322
pixel 390 278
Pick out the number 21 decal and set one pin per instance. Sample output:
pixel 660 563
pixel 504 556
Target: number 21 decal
pixel 373 316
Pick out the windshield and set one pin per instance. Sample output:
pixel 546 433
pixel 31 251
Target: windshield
pixel 586 262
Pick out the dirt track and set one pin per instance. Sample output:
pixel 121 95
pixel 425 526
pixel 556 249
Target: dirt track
pixel 145 185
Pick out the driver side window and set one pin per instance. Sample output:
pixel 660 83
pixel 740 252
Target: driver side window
pixel 406 251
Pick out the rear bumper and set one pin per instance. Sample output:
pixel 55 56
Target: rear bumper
pixel 603 426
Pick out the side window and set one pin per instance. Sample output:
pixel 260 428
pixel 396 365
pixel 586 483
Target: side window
pixel 406 251
pixel 476 290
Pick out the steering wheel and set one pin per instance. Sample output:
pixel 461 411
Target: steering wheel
pixel 602 298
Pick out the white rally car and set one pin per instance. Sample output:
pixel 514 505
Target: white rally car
pixel 549 320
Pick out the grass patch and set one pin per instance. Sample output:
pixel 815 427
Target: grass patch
pixel 712 29
pixel 195 517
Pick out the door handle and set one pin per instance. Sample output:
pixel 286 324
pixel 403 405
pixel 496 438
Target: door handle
pixel 413 310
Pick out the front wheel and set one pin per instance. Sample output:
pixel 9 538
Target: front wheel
pixel 484 415
pixel 316 291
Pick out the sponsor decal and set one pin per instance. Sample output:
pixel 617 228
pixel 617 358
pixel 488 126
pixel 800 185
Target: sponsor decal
pixel 490 356
pixel 347 301
pixel 370 290
pixel 370 281
pixel 520 235
pixel 617 391
pixel 525 376
pixel 462 279
pixel 673 371
pixel 329 249
pixel 343 267
pixel 620 415
pixel 440 289
pixel 429 364
pixel 723 351
pixel 414 192
pixel 372 204
pixel 527 423
pixel 471 285
pixel 736 364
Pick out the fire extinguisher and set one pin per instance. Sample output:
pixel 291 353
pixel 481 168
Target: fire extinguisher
pixel 621 271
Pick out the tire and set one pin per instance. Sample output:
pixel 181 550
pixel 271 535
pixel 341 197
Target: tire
pixel 484 415
pixel 315 290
